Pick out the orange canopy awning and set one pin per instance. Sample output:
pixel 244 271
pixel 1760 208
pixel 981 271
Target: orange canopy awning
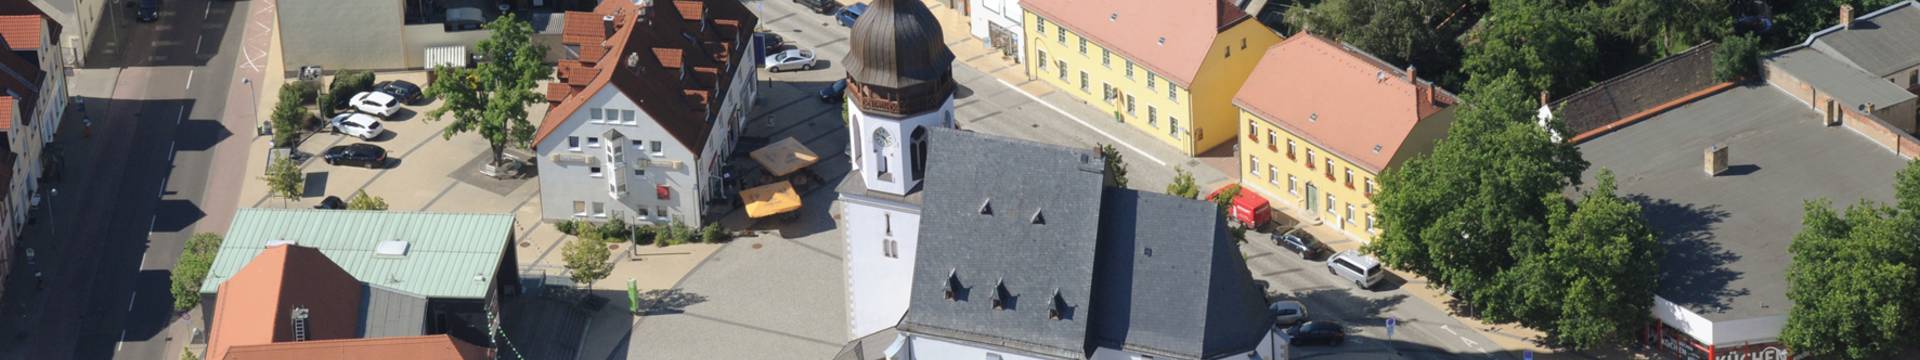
pixel 771 199
pixel 785 157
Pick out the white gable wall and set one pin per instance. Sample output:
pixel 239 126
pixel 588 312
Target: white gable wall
pixel 564 182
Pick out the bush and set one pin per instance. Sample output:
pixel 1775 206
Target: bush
pixel 569 227
pixel 346 83
pixel 645 233
pixel 614 231
pixel 1738 58
pixel 675 234
pixel 712 234
pixel 325 103
pixel 299 92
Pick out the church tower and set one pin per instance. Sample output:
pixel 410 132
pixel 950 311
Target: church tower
pixel 899 84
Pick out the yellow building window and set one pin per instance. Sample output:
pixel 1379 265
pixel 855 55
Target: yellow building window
pixel 1349 180
pixel 1106 58
pixel 1253 131
pixel 1309 159
pixel 1369 188
pixel 1153 117
pixel 1173 94
pixel 1085 86
pixel 1083 46
pixel 1040 26
pixel 1150 80
pixel 1329 168
pixel 1130 105
pixel 1253 166
pixel 1290 150
pixel 1272 138
pixel 1129 69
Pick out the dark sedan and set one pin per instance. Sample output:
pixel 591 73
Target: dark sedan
pixel 400 89
pixel 1316 332
pixel 366 155
pixel 331 203
pixel 833 92
pixel 1299 242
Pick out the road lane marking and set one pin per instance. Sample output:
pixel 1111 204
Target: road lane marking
pixel 1470 342
pixel 208 13
pixel 151 221
pixel 170 144
pixel 182 114
pixel 123 341
pixel 1448 329
pixel 1082 122
pixel 190 77
pixel 197 44
pixel 130 298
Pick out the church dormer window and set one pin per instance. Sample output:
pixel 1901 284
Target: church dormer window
pixel 1002 299
pixel 954 290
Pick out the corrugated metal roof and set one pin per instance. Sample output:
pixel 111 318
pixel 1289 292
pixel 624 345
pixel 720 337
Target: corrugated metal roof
pixel 450 255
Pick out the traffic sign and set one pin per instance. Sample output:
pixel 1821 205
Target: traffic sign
pixel 1390 324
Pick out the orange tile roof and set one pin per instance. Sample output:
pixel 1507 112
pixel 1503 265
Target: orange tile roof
pixel 1134 28
pixel 429 347
pixel 1357 106
pixel 557 92
pixel 579 27
pixel 6 113
pixel 256 305
pixel 21 32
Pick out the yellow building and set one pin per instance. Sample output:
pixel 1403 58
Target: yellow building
pixel 1170 68
pixel 1323 119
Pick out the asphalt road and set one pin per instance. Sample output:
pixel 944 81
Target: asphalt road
pixel 133 187
pixel 989 105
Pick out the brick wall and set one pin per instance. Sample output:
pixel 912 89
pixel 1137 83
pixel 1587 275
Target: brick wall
pixel 1881 132
pixel 1638 90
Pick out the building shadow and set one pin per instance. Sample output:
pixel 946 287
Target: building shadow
pixel 1694 272
pixel 1360 310
pixel 172 215
pixel 201 134
pixel 666 301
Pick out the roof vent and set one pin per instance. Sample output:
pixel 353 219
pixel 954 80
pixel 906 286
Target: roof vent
pixel 1379 76
pixel 1039 218
pixel 1057 307
pixel 1002 299
pixel 1113 17
pixel 954 291
pixel 280 242
pixel 1313 117
pixel 394 247
pixel 633 60
pixel 1376 148
pixel 1149 252
pixel 1163 41
pixel 986 207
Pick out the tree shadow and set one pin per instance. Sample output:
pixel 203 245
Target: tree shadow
pixel 1694 271
pixel 667 301
pixel 1358 310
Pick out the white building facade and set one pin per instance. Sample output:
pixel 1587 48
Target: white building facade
pixel 997 23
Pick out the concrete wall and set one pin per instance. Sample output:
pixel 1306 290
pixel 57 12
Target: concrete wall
pixel 877 284
pixel 564 182
pixel 343 34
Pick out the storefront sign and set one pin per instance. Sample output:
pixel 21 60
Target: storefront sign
pixel 1677 344
pixel 1771 351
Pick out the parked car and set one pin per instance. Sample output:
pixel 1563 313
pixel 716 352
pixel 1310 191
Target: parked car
pixel 851 13
pixel 771 41
pixel 405 91
pixel 331 203
pixel 1362 270
pixel 146 10
pixel 374 102
pixel 1287 312
pixel 834 92
pixel 789 60
pixel 1316 332
pixel 367 155
pixel 358 125
pixel 1300 242
pixel 821 7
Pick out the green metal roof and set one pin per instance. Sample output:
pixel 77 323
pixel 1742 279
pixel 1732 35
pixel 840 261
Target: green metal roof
pixel 448 255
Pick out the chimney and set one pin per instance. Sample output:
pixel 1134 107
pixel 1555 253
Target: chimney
pixel 607 25
pixel 1716 157
pixel 1846 16
pixel 1413 76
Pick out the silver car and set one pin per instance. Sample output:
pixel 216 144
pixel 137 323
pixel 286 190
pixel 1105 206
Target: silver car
pixel 789 60
pixel 1362 270
pixel 1287 312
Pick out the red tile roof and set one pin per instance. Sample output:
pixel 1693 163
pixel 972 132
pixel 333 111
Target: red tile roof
pixel 21 32
pixel 557 92
pixel 581 27
pixel 256 305
pixel 6 114
pixel 643 58
pixel 1135 28
pixel 1358 106
pixel 429 347
pixel 26 90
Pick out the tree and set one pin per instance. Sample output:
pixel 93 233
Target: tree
pixel 1795 19
pixel 1738 58
pixel 1116 166
pixel 587 261
pixel 1661 28
pixel 1417 32
pixel 1853 277
pixel 361 201
pixel 491 99
pixel 1224 200
pixel 1546 43
pixel 1182 185
pixel 284 179
pixel 1600 269
pixel 191 269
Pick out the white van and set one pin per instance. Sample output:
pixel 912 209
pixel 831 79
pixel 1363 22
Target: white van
pixel 1362 270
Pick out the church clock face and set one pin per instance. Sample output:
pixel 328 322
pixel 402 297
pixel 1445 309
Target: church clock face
pixel 882 139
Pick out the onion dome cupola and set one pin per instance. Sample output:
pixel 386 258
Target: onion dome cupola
pixel 899 62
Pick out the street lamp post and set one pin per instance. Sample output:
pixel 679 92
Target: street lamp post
pixel 253 105
pixel 53 228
